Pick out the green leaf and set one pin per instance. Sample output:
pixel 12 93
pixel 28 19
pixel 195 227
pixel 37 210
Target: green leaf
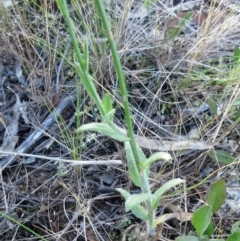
pixel 108 117
pixel 201 219
pixel 104 129
pixel 107 102
pixel 211 101
pixel 236 227
pixel 148 3
pixel 135 199
pixel 138 210
pixel 204 238
pixel 185 19
pixel 142 160
pixel 173 32
pixel 236 54
pixel 216 195
pixel 164 188
pixel 234 237
pixel 124 193
pixel 132 166
pixel 221 156
pixel 187 238
pixel 155 157
pixel 210 229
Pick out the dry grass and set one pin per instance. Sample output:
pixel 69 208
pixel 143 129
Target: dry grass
pixel 167 82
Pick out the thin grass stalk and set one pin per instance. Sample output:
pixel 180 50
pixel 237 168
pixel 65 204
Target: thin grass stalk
pixel 22 225
pixel 121 79
pixel 78 122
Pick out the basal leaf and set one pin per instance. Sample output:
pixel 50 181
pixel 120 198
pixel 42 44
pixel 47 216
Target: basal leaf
pixel 164 188
pixel 104 129
pixel 124 193
pixel 216 195
pixel 138 210
pixel 135 199
pixel 221 156
pixel 201 219
pixel 132 166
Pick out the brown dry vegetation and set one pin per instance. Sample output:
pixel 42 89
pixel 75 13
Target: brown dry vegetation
pixel 171 86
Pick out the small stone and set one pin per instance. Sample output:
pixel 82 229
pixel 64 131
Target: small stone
pixel 108 177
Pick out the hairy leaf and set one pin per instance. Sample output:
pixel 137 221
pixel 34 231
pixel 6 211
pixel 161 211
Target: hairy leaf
pixel 132 166
pixel 164 188
pixel 104 129
pixel 156 157
pixel 138 210
pixel 236 227
pixel 135 199
pixel 107 102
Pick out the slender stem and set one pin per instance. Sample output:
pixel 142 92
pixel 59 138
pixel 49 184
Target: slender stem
pixel 121 79
pixel 88 84
pixel 85 77
pixel 145 182
pixel 22 225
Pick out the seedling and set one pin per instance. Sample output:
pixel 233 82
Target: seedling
pixel 201 220
pixel 144 204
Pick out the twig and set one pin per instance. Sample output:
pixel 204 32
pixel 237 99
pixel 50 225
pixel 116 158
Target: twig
pixel 37 134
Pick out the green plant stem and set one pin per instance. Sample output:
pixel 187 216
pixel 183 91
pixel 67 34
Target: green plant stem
pixel 121 78
pixel 81 67
pixel 22 225
pixel 123 89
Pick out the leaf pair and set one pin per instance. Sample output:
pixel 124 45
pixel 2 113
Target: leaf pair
pixel 201 219
pixel 133 202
